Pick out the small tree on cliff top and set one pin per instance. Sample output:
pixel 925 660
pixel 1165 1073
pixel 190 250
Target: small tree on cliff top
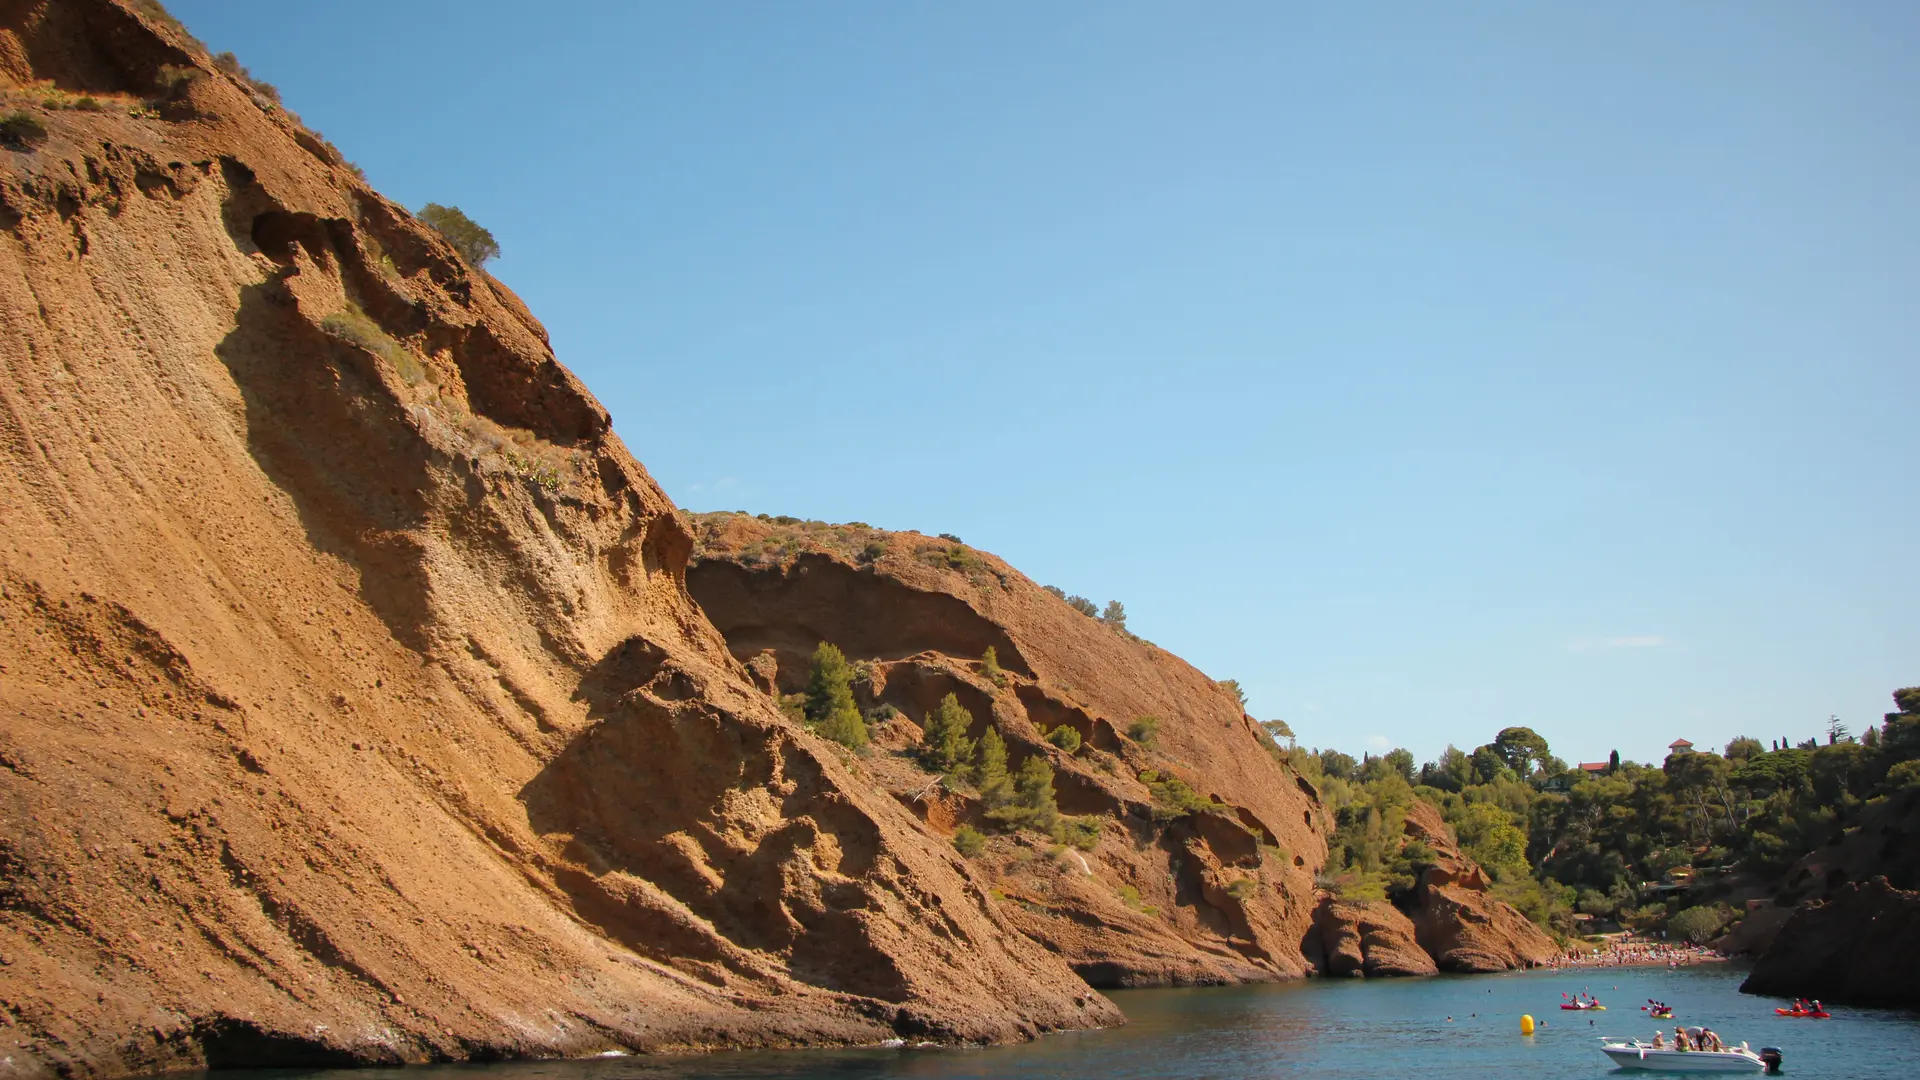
pixel 830 708
pixel 475 244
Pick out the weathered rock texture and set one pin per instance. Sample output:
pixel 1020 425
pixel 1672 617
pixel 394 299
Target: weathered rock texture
pixel 1368 938
pixel 1456 919
pixel 1860 945
pixel 1450 918
pixel 1858 941
pixel 352 705
pixel 1221 895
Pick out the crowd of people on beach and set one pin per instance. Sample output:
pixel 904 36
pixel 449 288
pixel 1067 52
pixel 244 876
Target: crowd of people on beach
pixel 1636 954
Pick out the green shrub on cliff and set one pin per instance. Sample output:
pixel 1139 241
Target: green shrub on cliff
pixel 1697 924
pixel 22 129
pixel 475 244
pixel 1172 798
pixel 830 708
pixel 990 771
pixel 352 325
pixel 944 746
pixel 1145 730
pixel 1081 832
pixel 1033 806
pixel 968 841
pixel 1065 737
pixel 990 667
pixel 230 64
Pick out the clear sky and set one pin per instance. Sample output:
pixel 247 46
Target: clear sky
pixel 1429 368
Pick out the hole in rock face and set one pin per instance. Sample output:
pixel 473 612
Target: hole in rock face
pixel 276 233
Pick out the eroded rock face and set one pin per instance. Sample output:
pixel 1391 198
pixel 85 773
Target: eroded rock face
pixel 1222 895
pixel 1461 925
pixel 1368 938
pixel 353 708
pixel 1860 946
pixel 1450 919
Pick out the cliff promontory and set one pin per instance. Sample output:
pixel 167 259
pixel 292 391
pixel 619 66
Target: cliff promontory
pixel 1859 945
pixel 1205 846
pixel 352 704
pixel 1448 921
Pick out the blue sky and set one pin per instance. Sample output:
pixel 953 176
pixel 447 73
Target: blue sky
pixel 1427 368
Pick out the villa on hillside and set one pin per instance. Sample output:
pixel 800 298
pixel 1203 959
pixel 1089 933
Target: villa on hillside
pixel 1594 768
pixel 1680 746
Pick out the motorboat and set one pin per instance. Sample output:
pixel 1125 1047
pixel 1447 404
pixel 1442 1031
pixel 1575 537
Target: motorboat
pixel 1634 1054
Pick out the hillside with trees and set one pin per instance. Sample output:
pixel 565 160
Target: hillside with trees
pixel 1679 846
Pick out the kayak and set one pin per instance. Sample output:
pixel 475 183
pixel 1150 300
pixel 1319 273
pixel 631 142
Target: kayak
pixel 1668 1015
pixel 1586 1008
pixel 1803 1012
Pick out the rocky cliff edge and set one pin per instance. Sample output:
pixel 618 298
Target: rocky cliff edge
pixel 352 705
pixel 1217 891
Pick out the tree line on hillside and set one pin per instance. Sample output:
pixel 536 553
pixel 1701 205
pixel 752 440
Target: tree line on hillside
pixel 1558 841
pixel 1012 799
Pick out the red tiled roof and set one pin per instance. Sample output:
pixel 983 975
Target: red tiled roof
pixel 1678 742
pixel 1593 766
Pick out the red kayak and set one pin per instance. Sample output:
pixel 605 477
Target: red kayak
pixel 1803 1012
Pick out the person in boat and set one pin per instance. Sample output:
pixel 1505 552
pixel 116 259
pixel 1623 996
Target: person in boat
pixel 1816 1007
pixel 1710 1041
pixel 1658 1043
pixel 1680 1039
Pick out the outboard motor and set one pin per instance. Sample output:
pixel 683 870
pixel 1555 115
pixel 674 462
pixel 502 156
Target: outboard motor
pixel 1770 1057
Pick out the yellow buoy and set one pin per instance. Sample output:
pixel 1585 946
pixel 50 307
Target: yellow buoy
pixel 1526 1025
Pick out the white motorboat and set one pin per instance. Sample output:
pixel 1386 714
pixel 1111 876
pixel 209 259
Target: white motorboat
pixel 1634 1054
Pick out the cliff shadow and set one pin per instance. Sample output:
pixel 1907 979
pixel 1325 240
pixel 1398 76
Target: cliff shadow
pixel 325 430
pixel 691 832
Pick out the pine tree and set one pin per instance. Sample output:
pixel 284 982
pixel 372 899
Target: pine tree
pixel 990 667
pixel 830 708
pixel 944 746
pixel 996 787
pixel 1033 793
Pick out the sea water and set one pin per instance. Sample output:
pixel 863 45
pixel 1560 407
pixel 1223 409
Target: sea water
pixel 1449 1026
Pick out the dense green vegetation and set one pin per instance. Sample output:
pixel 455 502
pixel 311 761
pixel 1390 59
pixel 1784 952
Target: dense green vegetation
pixel 1012 799
pixel 828 707
pixel 1557 840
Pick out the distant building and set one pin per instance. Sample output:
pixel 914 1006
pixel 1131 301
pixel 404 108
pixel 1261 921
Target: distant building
pixel 1594 768
pixel 1680 746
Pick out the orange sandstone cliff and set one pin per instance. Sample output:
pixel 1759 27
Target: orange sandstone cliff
pixel 353 707
pixel 1449 921
pixel 1222 893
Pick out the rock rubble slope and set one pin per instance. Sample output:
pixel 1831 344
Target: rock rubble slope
pixel 352 704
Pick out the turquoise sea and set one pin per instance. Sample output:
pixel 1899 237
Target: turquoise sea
pixel 1326 1028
